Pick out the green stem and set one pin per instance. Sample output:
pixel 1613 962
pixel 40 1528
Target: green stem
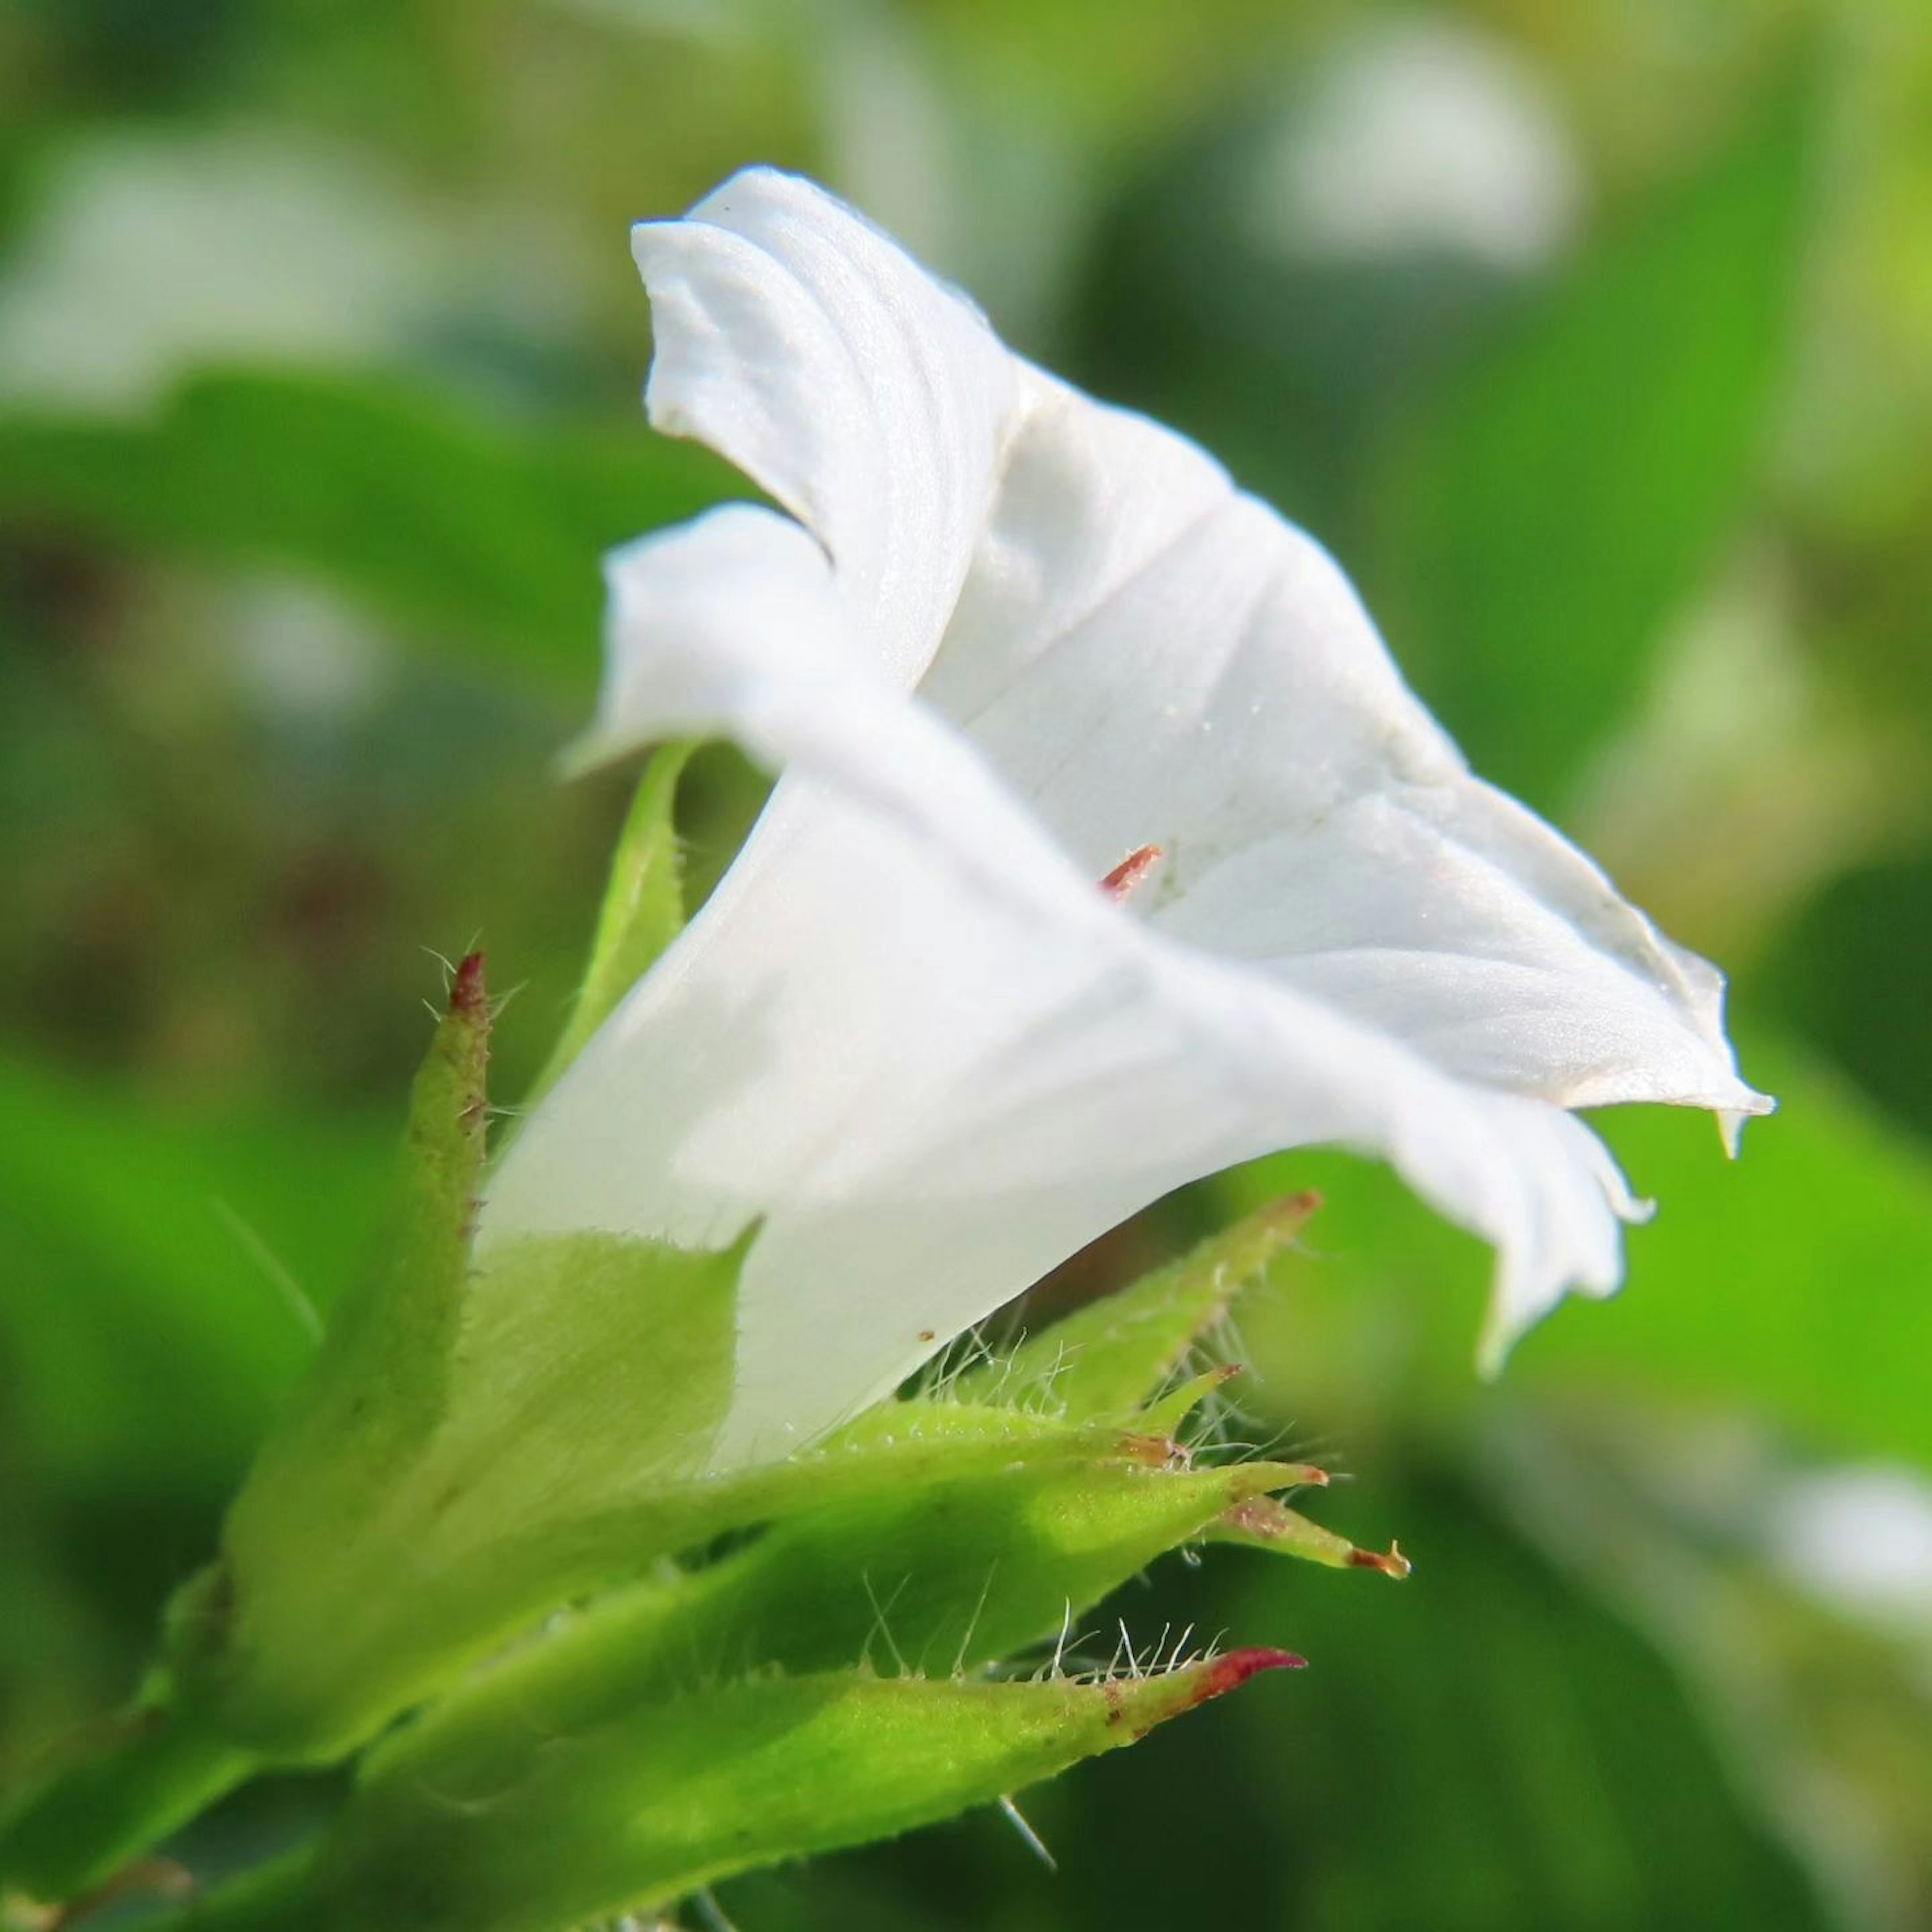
pixel 274 1898
pixel 160 1772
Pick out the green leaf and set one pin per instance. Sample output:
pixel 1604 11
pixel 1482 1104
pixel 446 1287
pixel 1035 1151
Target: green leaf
pixel 1813 1690
pixel 643 908
pixel 431 513
pixel 1543 521
pixel 1791 1282
pixel 166 1269
pixel 1117 1353
pixel 1722 1306
pixel 508 1826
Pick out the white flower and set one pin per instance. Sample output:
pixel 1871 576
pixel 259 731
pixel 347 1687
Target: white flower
pixel 1006 638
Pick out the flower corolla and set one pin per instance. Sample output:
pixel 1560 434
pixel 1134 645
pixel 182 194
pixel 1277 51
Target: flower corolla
pixel 1004 643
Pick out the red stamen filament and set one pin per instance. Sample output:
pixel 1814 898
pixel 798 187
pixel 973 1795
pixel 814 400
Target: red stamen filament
pixel 1120 882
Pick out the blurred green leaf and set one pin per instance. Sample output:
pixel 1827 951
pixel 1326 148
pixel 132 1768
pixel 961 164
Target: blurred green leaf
pixel 1688 1531
pixel 488 532
pixel 1539 524
pixel 1792 1283
pixel 157 1299
pixel 1487 1750
pixel 1851 972
pixel 1725 1304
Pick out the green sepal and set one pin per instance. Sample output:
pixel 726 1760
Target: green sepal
pixel 377 1390
pixel 1260 1523
pixel 643 908
pixel 1113 1355
pixel 1169 1414
pixel 303 1659
pixel 623 1349
pixel 630 1812
pixel 374 1395
pixel 931 1578
pixel 921 1444
pixel 379 1382
pixel 588 1371
pixel 369 1652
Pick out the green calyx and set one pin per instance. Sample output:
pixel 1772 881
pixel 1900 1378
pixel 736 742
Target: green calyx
pixel 490 1510
pixel 630 1812
pixel 1110 1356
pixel 643 910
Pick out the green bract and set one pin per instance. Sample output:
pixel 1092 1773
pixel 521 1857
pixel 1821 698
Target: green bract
pixel 482 1454
pixel 647 1803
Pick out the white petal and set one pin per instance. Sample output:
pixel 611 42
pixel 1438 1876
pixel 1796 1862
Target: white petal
pixel 800 343
pixel 908 1031
pixel 927 1049
pixel 1150 658
pixel 1216 689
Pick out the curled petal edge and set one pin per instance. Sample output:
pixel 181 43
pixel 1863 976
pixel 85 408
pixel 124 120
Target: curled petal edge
pixel 733 625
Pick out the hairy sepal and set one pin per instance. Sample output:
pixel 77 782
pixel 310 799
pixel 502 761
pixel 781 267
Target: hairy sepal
pixel 1115 1354
pixel 643 911
pixel 1260 1522
pixel 631 1811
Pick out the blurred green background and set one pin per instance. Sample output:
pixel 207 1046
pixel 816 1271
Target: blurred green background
pixel 1594 336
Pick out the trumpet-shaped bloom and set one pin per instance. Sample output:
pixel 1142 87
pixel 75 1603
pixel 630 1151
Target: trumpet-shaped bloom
pixel 1000 639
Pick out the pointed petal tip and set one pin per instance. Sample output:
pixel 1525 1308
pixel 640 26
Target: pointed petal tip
pixel 1731 1119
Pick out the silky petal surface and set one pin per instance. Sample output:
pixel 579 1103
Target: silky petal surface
pixel 823 361
pixel 1151 657
pixel 1220 693
pixel 920 1041
pixel 1007 637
